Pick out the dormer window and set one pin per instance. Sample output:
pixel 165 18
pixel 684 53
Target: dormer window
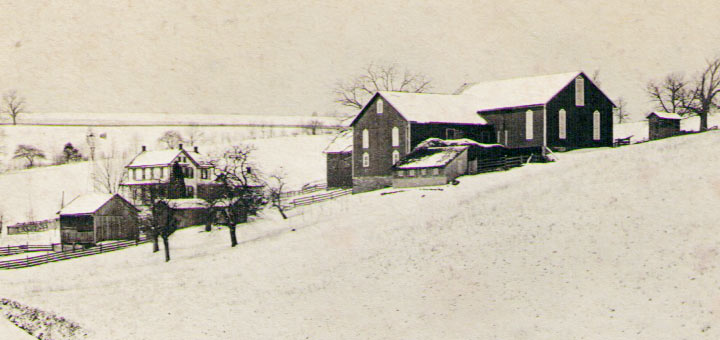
pixel 579 91
pixel 379 106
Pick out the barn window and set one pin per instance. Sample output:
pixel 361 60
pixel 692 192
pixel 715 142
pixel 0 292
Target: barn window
pixel 395 136
pixel 395 156
pixel 435 171
pixel 366 160
pixel 596 125
pixel 453 133
pixel 379 106
pixel 562 124
pixel 506 137
pixel 579 91
pixel 365 139
pixel 497 140
pixel 529 125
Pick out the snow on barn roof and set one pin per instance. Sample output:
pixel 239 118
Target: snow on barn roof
pixel 430 157
pixel 435 108
pixel 437 142
pixel 516 92
pixel 665 115
pixel 158 157
pixel 341 143
pixel 86 204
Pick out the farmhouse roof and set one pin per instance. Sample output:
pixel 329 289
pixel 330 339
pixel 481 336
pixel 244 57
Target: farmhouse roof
pixel 341 143
pixel 516 92
pixel 87 203
pixel 665 115
pixel 157 157
pixel 435 108
pixel 433 157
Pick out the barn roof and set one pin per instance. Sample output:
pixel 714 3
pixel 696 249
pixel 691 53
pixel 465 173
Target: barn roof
pixel 665 115
pixel 342 143
pixel 433 157
pixel 435 108
pixel 516 92
pixel 87 203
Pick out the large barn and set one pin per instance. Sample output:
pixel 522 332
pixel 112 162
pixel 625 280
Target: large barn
pixel 96 217
pixel 529 115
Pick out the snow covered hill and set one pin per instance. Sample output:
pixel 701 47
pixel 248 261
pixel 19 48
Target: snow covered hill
pixel 603 244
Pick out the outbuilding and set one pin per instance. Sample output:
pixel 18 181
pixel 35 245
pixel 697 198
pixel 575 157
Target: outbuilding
pixel 339 160
pixel 96 217
pixel 663 124
pixel 431 166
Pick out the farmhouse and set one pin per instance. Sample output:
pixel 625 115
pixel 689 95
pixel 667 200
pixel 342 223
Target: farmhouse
pixel 663 124
pixel 163 171
pixel 97 217
pixel 528 115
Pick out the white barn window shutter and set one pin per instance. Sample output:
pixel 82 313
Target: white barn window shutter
pixel 529 125
pixel 579 91
pixel 379 106
pixel 395 136
pixel 366 160
pixel 365 139
pixel 562 121
pixel 596 125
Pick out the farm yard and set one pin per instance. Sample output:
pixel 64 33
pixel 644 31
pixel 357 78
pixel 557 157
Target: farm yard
pixel 561 250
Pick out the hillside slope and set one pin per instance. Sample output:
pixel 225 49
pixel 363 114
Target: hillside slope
pixel 604 244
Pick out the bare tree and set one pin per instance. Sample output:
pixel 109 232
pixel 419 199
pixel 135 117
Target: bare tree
pixel 620 110
pixel 357 91
pixel 240 187
pixel 171 138
pixel 704 93
pixel 596 77
pixel 29 153
pixel 13 105
pixel 109 170
pixel 275 190
pixel 194 135
pixel 672 94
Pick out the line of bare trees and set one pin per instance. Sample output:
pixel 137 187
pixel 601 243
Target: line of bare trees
pixel 685 96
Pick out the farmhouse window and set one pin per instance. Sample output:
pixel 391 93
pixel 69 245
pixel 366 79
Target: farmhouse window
pixel 395 136
pixel 596 125
pixel 156 173
pixel 204 173
pixel 529 125
pixel 366 160
pixel 379 106
pixel 411 173
pixel 401 173
pixel 190 191
pixel 435 171
pixel 162 172
pixel 395 156
pixel 365 139
pixel 579 91
pixel 562 128
pixel 146 173
pixel 135 174
pixel 423 172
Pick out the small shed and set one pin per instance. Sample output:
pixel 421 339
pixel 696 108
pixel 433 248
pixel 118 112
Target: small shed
pixel 96 217
pixel 339 160
pixel 663 124
pixel 431 166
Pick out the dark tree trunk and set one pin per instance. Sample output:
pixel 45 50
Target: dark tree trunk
pixel 703 121
pixel 282 213
pixel 156 246
pixel 233 237
pixel 209 220
pixel 166 243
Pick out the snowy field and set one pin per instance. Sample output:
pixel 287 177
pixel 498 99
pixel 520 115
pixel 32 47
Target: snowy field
pixel 36 194
pixel 603 244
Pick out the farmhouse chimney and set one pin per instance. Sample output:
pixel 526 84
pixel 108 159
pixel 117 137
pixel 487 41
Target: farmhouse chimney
pixel 180 146
pixel 196 150
pixel 144 148
pixel 249 170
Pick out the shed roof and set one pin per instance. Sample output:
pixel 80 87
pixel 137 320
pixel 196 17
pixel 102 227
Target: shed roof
pixel 435 108
pixel 86 204
pixel 517 92
pixel 437 142
pixel 433 157
pixel 341 143
pixel 665 115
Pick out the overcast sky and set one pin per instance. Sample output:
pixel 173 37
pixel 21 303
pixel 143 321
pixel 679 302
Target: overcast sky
pixel 284 57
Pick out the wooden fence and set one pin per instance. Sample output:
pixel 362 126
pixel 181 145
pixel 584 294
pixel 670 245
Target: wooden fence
pixel 298 202
pixel 14 250
pixel 304 191
pixel 501 163
pixel 67 255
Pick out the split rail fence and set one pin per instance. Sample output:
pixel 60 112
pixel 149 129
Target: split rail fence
pixel 307 200
pixel 67 255
pixel 500 163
